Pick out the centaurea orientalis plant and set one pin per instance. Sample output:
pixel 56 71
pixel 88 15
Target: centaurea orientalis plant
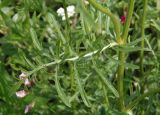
pixel 79 59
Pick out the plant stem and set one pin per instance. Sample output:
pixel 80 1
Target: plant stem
pixel 110 14
pixel 120 75
pixel 128 20
pixel 121 56
pixel 67 26
pixel 140 98
pixel 66 17
pixel 142 35
pixel 71 76
pixel 68 30
pixel 105 96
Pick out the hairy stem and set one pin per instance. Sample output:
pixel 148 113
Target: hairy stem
pixel 128 20
pixel 71 76
pixel 142 35
pixel 120 75
pixel 66 15
pixel 68 30
pixel 121 56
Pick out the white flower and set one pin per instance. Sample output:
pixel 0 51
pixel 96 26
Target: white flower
pixel 70 12
pixel 29 107
pixel 60 12
pixel 22 76
pixel 21 93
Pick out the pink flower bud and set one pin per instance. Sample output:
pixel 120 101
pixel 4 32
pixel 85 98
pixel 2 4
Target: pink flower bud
pixel 123 19
pixel 29 107
pixel 27 82
pixel 21 93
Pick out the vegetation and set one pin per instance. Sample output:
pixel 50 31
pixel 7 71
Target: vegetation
pixel 80 57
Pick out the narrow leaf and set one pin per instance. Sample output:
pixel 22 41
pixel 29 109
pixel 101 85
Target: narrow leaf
pixel 35 39
pixel 106 82
pixel 132 66
pixel 53 23
pixel 130 49
pixel 86 17
pixel 28 62
pixel 81 89
pixel 60 92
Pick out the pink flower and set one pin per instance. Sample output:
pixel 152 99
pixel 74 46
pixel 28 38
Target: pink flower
pixel 123 19
pixel 23 76
pixel 27 82
pixel 29 107
pixel 21 93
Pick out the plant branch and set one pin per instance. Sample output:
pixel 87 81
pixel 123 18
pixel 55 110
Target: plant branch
pixel 71 59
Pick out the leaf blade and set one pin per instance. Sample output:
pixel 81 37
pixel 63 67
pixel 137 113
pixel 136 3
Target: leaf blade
pixel 35 39
pixel 81 89
pixel 106 82
pixel 61 94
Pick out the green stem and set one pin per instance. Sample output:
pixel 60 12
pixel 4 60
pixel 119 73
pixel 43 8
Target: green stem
pixel 71 76
pixel 68 30
pixel 128 20
pixel 110 14
pixel 120 73
pixel 121 57
pixel 142 35
pixel 105 96
pixel 66 15
pixel 140 98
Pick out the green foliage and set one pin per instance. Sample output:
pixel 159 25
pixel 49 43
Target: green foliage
pixel 72 64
